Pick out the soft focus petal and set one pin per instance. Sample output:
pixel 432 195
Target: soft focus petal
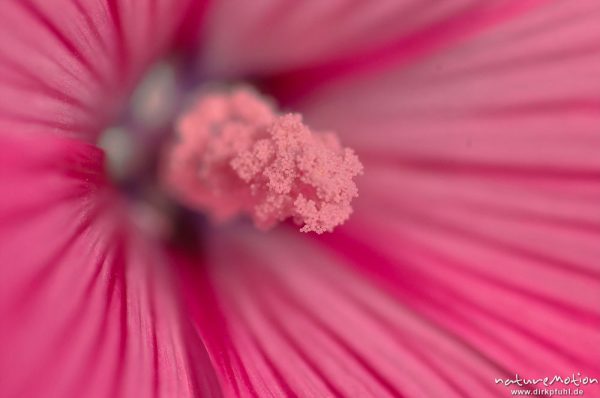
pixel 274 34
pixel 66 66
pixel 282 318
pixel 273 37
pixel 86 305
pixel 479 205
pixel 525 93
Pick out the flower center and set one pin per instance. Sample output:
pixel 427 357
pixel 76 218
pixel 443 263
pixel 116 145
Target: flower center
pixel 234 154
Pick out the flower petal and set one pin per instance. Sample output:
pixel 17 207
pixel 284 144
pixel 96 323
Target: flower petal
pixel 281 317
pixel 524 94
pixel 268 36
pixel 67 66
pixel 479 203
pixel 86 304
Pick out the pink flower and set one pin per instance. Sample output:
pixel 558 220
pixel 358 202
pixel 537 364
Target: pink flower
pixel 472 252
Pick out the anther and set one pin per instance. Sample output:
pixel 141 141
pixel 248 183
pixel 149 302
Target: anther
pixel 234 154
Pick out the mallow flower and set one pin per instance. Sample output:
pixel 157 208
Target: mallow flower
pixel 298 198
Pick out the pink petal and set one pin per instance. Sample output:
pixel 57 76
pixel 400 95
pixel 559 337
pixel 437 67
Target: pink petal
pixel 281 317
pixel 478 208
pixel 519 95
pixel 67 66
pixel 268 36
pixel 455 27
pixel 86 304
